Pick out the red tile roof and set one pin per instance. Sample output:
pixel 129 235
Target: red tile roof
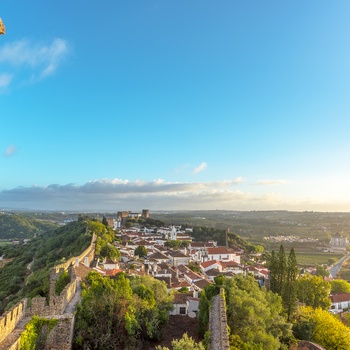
pixel 205 264
pixel 218 250
pixel 113 272
pixel 340 297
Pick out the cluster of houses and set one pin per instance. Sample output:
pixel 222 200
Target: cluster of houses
pixel 176 267
pixel 173 265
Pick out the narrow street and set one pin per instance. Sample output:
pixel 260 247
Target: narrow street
pixel 335 268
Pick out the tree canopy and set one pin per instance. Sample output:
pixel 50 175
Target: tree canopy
pixel 314 291
pixel 340 286
pixel 118 314
pixel 141 251
pixel 322 328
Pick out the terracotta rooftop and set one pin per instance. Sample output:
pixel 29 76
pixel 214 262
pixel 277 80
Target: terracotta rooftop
pixel 201 283
pixel 205 264
pixel 82 270
pixel 158 256
pixel 218 250
pixel 113 272
pixel 340 297
pixel 181 298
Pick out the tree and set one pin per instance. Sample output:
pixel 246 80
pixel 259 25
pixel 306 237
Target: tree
pixel 289 294
pixel 104 221
pixel 110 252
pixel 314 291
pixel 185 343
pixel 203 313
pixel 254 314
pixel 282 270
pixel 141 251
pixel 106 318
pixel 273 268
pixel 340 286
pixel 118 314
pixel 321 271
pixel 322 328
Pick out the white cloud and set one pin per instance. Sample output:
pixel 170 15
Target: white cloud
pixel 10 150
pixel 200 167
pixel 271 182
pixel 5 80
pixel 33 61
pixel 118 194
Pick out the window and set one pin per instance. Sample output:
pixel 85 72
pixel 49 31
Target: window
pixel 182 311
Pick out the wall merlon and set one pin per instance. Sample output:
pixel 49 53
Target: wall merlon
pixel 10 319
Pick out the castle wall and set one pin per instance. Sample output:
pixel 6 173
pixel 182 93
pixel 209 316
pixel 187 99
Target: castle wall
pixel 10 319
pixel 56 305
pixel 61 336
pixel 219 339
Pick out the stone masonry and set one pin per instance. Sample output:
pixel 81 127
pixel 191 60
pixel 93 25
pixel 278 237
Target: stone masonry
pixel 219 339
pixel 61 307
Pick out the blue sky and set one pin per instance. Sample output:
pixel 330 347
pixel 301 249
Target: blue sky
pixel 229 104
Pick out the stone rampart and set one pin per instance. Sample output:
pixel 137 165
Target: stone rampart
pixel 219 339
pixel 10 319
pixel 89 252
pixel 61 336
pixel 56 305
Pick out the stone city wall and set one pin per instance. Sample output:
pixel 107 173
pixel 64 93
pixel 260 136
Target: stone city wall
pixel 9 319
pixel 57 303
pixel 219 339
pixel 61 336
pixel 89 252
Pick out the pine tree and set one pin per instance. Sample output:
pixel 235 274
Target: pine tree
pixel 273 272
pixel 289 295
pixel 281 270
pixel 104 221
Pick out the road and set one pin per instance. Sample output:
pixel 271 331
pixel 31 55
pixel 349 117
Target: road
pixel 335 268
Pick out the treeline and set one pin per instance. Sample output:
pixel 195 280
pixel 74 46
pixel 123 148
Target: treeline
pixel 17 226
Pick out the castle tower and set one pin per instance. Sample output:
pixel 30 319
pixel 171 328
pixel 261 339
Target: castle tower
pixel 145 213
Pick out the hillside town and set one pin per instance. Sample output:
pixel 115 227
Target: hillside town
pixel 189 266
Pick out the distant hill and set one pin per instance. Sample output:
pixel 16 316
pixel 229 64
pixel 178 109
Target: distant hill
pixel 18 226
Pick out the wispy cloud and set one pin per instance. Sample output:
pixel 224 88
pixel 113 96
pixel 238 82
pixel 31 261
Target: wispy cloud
pixel 200 167
pixel 31 61
pixel 271 182
pixel 5 80
pixel 10 150
pixel 103 193
pixel 118 194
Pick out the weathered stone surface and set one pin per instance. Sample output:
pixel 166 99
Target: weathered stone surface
pixel 219 339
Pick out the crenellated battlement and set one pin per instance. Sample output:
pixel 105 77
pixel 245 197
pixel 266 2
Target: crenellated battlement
pixel 10 318
pixel 54 306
